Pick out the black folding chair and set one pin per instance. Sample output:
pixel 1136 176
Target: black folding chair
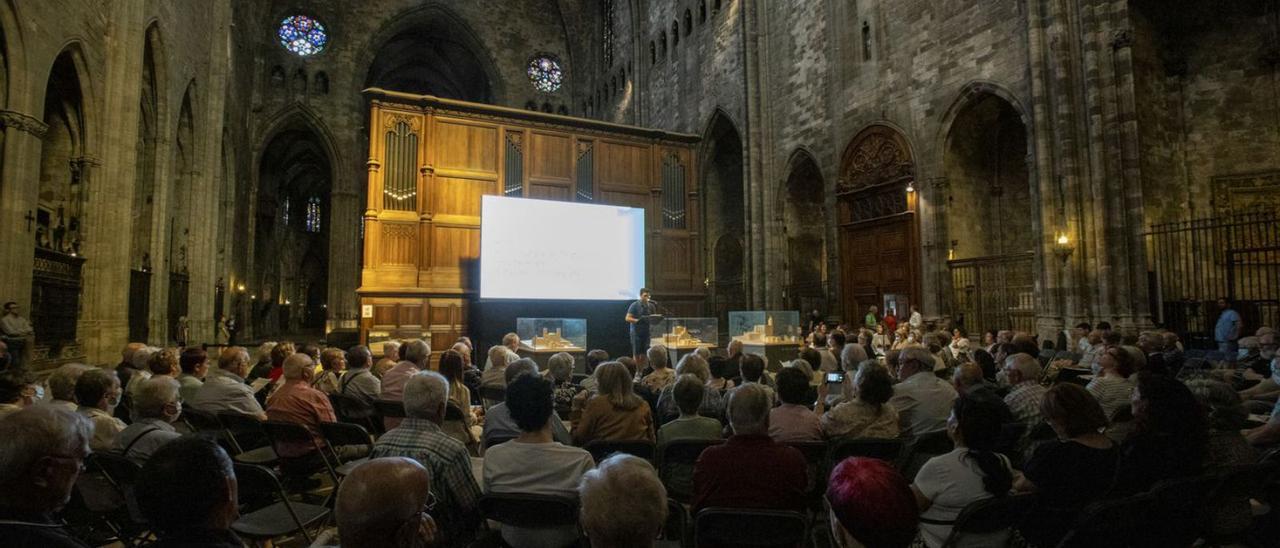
pixel 676 460
pixel 923 448
pixel 815 456
pixel 530 511
pixel 340 434
pixel 354 410
pixel 389 408
pixel 265 509
pixel 121 474
pixel 676 529
pixel 492 395
pixel 300 454
pixel 248 439
pixel 748 527
pixel 888 450
pixel 601 449
pixel 990 516
pixel 497 439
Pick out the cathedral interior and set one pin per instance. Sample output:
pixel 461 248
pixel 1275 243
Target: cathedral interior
pixel 1001 164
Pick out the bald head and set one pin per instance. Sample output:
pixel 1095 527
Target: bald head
pixel 379 499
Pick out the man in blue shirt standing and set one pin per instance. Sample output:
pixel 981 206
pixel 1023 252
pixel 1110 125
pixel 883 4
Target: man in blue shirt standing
pixel 638 316
pixel 1227 332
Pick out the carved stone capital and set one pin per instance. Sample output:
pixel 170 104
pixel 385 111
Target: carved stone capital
pixel 23 123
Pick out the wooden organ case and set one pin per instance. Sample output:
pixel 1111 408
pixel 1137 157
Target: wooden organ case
pixel 431 160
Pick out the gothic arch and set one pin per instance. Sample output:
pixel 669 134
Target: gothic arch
pixel 723 164
pixel 803 224
pixel 974 91
pixel 418 21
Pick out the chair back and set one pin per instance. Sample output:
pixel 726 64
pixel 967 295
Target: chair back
pixel 676 459
pixel 1112 523
pixel 990 516
pixel 888 450
pixel 452 412
pixel 1065 355
pixel 1195 353
pixel 200 421
pixel 1010 434
pixel 1238 484
pixel 924 447
pixel 350 408
pixel 258 488
pixel 245 431
pixel 1124 413
pixel 815 456
pixel 495 439
pixel 299 451
pixel 492 395
pixel 122 474
pixel 601 449
pixel 389 408
pixel 338 434
pixel 748 527
pixel 529 511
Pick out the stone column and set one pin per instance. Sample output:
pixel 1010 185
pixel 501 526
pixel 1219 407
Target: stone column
pixel 342 309
pixel 18 195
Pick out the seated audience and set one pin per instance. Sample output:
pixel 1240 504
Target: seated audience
pixel 1226 447
pixel 987 364
pixel 792 420
pixel 416 353
pixel 510 467
pixel 662 376
pixel 688 393
pixel 866 412
pixel 560 373
pixel 511 342
pixel 751 367
pixel 40 459
pixel 125 369
pixel 923 401
pixel 187 491
pixel 194 364
pixel 1112 386
pixel 297 402
pixel 494 373
pixel 971 472
pixel 419 437
pixel 1068 473
pixel 717 366
pixel 62 385
pixel 468 432
pixel 594 359
pixel 98 393
pixel 1025 392
pixel 141 369
pixel 733 361
pixel 615 412
pixel 261 367
pixel 1169 436
pixel 750 470
pixel 968 380
pixel 390 357
pixel 384 502
pixel 17 391
pixel 712 402
pixel 835 345
pixel 360 382
pixel 333 362
pixel 225 388
pixel 279 353
pixel 498 423
pixel 871 505
pixel 623 505
pixel 155 408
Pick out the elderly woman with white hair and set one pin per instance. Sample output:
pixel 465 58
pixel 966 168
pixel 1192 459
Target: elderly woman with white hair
pixel 712 401
pixel 560 373
pixel 624 505
pixel 155 407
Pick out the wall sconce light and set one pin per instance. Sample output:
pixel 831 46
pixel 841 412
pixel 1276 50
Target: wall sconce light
pixel 240 288
pixel 911 186
pixel 1062 246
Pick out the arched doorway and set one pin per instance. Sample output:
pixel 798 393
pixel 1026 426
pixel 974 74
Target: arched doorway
pixel 878 230
pixel 144 193
pixel 177 227
pixel 725 216
pixel 804 223
pixel 990 221
pixel 59 250
pixel 291 244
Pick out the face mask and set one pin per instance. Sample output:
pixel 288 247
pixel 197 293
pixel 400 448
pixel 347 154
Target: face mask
pixel 113 401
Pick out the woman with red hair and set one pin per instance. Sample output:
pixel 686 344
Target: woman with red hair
pixel 871 505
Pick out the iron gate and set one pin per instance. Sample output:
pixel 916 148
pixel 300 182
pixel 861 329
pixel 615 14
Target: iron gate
pixel 995 292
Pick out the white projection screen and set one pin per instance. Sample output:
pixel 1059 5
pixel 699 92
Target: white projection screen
pixel 541 249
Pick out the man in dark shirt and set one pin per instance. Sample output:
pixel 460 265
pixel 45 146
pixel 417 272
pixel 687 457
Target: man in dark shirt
pixel 750 470
pixel 638 316
pixel 187 491
pixel 42 455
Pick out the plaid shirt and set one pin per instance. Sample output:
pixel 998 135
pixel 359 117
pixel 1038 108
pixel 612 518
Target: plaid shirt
pixel 449 464
pixel 1024 402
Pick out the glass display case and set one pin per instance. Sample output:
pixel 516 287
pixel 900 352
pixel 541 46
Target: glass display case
pixel 686 333
pixel 766 327
pixel 552 334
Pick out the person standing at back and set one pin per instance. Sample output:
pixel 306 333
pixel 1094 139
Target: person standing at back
pixel 1227 331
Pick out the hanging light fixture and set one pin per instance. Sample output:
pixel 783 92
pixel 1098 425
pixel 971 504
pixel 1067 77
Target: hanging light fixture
pixel 911 186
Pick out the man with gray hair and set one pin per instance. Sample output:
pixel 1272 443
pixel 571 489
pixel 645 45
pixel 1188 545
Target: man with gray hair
pixel 224 389
pixel 498 423
pixel 750 470
pixel 359 381
pixel 390 357
pixel 98 393
pixel 416 354
pixel 1024 397
pixel 623 503
pixel 62 385
pixel 923 400
pixel 155 409
pixel 419 437
pixel 43 452
pixel 500 357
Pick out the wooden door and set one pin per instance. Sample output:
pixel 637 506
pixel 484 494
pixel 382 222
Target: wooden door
pixel 877 259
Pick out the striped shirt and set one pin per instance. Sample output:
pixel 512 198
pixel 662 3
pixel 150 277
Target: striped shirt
pixel 1112 392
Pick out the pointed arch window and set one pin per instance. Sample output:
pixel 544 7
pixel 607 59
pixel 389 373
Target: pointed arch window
pixel 313 214
pixel 606 38
pixel 284 212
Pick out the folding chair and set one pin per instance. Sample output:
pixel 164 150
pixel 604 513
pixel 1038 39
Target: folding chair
pixel 815 455
pixel 353 410
pixel 990 516
pixel 923 448
pixel 121 474
pixel 248 439
pixel 530 511
pixel 339 434
pixel 492 395
pixel 888 450
pixel 300 454
pixel 601 449
pixel 676 529
pixel 265 509
pixel 749 527
pixel 389 408
pixel 676 460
